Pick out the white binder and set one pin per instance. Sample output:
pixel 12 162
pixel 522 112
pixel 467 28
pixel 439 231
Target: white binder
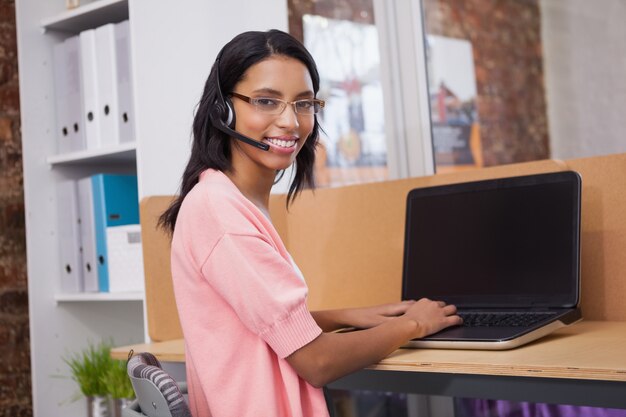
pixel 125 258
pixel 70 249
pixel 108 110
pixel 88 237
pixel 124 82
pixel 70 129
pixel 61 97
pixel 89 77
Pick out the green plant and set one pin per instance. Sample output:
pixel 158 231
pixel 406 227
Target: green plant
pixel 117 382
pixel 89 367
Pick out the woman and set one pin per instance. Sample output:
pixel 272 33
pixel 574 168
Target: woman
pixel 252 346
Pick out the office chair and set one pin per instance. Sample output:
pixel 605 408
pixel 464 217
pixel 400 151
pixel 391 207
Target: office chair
pixel 158 395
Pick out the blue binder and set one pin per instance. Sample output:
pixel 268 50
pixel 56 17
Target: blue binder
pixel 115 203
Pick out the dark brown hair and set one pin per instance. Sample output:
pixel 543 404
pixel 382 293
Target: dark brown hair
pixel 210 147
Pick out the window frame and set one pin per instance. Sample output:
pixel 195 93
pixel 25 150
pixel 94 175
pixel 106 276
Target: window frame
pixel 403 69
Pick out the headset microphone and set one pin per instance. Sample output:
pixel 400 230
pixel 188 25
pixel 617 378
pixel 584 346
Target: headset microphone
pixel 222 115
pixel 220 125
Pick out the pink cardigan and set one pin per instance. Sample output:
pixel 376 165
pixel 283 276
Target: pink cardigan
pixel 242 308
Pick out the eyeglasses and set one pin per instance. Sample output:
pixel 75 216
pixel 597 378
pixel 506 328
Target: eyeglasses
pixel 275 106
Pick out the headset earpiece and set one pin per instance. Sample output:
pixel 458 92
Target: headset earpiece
pixel 229 112
pixel 222 115
pixel 216 113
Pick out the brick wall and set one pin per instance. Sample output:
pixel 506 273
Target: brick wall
pixel 508 58
pixel 15 383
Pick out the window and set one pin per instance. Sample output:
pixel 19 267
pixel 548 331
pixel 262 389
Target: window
pixel 513 81
pixel 343 39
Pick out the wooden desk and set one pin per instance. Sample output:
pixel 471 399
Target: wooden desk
pixel 168 351
pixel 583 364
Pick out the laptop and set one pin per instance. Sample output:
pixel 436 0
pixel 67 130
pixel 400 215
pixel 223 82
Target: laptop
pixel 505 251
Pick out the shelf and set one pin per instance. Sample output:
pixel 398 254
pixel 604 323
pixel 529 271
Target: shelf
pixel 124 153
pixel 88 16
pixel 99 296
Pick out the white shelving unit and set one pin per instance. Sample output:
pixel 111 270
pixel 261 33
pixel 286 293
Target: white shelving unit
pixel 88 16
pixel 172 49
pixel 122 154
pixel 62 324
pixel 88 297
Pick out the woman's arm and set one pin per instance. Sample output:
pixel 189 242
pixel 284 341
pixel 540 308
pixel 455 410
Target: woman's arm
pixel 361 318
pixel 333 355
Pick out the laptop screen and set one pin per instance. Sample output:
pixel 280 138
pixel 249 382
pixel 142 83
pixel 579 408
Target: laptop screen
pixel 509 242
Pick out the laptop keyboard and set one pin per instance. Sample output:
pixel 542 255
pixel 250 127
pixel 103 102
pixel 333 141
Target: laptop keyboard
pixel 483 319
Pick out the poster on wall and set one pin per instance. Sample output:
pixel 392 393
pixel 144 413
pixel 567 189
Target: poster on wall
pixel 452 90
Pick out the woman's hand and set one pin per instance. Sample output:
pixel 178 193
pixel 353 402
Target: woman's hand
pixel 432 316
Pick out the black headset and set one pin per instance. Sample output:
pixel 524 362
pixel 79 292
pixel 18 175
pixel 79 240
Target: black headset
pixel 222 114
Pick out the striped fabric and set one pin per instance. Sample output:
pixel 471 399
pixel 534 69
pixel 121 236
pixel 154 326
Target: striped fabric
pixel 146 366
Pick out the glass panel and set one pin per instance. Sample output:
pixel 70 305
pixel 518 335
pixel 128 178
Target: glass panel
pixel 343 39
pixel 473 407
pixel 356 403
pixel 514 81
pixel 485 76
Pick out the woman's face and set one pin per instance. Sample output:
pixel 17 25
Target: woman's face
pixel 277 77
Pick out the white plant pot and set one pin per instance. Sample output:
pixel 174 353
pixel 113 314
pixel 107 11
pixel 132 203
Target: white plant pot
pixel 117 404
pixel 98 406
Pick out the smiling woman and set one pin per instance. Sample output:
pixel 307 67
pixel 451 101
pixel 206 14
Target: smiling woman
pixel 286 131
pixel 241 299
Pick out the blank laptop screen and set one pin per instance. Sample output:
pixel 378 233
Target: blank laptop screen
pixel 496 243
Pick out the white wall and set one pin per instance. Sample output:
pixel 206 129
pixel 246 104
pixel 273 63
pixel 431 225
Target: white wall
pixel 585 70
pixel 174 46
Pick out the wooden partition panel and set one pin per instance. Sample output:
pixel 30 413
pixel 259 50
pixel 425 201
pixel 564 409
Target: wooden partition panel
pixel 163 321
pixel 349 241
pixel 603 236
